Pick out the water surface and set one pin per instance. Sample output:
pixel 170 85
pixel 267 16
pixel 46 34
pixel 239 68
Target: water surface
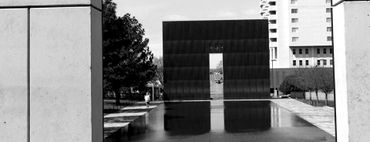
pixel 224 121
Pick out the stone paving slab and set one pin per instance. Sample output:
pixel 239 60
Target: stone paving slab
pixel 321 117
pixel 115 125
pixel 114 122
pixel 124 114
pixel 138 107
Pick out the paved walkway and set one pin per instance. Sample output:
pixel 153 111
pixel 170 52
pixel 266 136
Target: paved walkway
pixel 114 122
pixel 321 117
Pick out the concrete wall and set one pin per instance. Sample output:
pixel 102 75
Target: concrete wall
pixel 11 3
pixel 56 50
pixel 352 70
pixel 13 75
pixel 283 57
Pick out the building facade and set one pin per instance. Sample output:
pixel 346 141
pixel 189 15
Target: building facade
pixel 300 32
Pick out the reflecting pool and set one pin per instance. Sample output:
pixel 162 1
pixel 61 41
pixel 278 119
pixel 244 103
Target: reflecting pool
pixel 223 121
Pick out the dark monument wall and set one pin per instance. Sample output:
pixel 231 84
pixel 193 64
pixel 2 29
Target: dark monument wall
pixel 244 44
pixel 186 71
pixel 246 69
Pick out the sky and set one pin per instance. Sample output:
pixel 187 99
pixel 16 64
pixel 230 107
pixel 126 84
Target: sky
pixel 214 59
pixel 151 13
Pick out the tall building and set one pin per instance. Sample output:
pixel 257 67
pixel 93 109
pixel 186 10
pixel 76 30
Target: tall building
pixel 300 32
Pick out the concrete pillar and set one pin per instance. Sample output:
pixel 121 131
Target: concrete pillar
pixel 13 75
pixel 51 71
pixel 351 21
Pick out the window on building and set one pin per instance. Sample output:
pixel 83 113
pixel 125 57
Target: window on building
pixel 329 29
pixel 273 30
pixel 294 63
pixel 294 20
pixel 294 29
pixel 331 62
pixel 300 63
pixel 324 62
pixel 272 3
pixel 271 55
pixel 307 51
pixel 328 10
pixel 307 62
pixel 272 21
pixel 318 62
pixel 293 51
pixel 328 20
pixel 273 39
pixel 331 51
pixel 329 38
pixel 294 11
pixel 273 12
pixel 324 51
pixel 293 1
pixel 328 1
pixel 300 51
pixel 318 50
pixel 294 39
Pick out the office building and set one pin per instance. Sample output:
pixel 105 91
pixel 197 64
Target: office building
pixel 300 32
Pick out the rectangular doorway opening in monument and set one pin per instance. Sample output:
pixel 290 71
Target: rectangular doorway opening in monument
pixel 216 76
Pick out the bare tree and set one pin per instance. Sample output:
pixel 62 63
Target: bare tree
pixel 314 81
pixel 220 67
pixel 318 79
pixel 307 74
pixel 326 82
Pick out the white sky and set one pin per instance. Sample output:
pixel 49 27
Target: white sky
pixel 214 60
pixel 151 13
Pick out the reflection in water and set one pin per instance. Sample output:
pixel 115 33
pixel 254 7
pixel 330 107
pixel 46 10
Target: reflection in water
pixel 283 118
pixel 220 121
pixel 217 116
pixel 247 116
pixel 187 118
pixel 139 125
pixel 135 128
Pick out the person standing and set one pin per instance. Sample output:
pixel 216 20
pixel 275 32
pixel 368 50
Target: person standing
pixel 147 98
pixel 161 95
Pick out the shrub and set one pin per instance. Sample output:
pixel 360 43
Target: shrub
pixel 293 83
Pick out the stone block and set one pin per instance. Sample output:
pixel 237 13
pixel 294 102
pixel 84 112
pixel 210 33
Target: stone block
pixel 13 75
pixel 352 70
pixel 66 75
pixel 6 3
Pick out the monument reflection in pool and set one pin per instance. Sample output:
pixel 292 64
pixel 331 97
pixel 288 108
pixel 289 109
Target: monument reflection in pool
pixel 218 121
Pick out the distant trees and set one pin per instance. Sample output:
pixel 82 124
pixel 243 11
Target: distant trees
pixel 326 81
pixel 127 60
pixel 310 79
pixel 293 83
pixel 159 71
pixel 220 67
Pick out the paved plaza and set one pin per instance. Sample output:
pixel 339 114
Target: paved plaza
pixel 321 117
pixel 121 120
